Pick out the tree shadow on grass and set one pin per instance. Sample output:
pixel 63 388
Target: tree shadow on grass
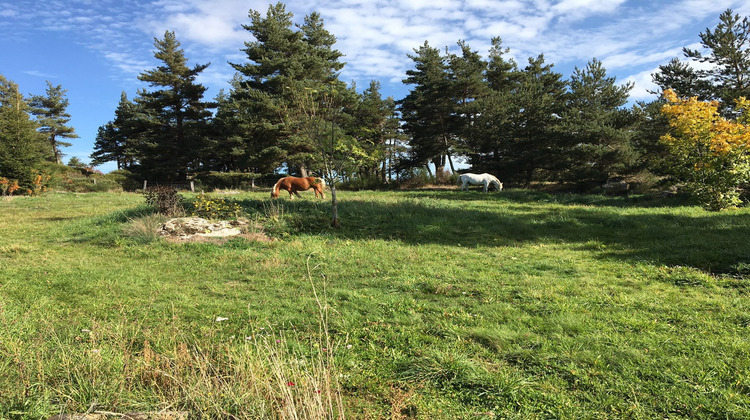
pixel 647 229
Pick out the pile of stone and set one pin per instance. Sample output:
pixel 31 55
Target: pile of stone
pixel 188 227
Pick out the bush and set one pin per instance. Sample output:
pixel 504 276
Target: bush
pixel 364 183
pixel 8 186
pixel 415 179
pixel 215 208
pixel 124 178
pixel 709 153
pixel 164 199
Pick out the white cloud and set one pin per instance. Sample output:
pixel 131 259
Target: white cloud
pixel 376 35
pixel 642 84
pixel 586 7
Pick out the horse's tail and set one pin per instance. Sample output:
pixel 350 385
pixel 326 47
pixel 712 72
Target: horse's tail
pixel 275 192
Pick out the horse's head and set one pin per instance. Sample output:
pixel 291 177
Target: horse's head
pixel 498 184
pixel 275 194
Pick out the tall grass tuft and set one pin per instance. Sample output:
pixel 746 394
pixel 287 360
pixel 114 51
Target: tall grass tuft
pixel 144 229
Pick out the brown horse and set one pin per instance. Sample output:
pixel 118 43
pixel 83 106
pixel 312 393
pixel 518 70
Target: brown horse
pixel 294 184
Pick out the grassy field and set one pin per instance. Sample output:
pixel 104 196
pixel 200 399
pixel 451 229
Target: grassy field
pixel 425 304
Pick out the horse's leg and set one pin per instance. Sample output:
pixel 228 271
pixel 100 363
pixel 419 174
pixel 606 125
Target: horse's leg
pixel 296 193
pixel 485 184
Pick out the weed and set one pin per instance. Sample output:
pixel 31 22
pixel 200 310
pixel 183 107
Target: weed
pixel 144 229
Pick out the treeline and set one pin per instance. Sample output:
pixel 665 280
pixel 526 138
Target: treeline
pixel 279 108
pixel 288 111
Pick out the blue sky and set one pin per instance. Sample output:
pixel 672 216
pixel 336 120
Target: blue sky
pixel 96 48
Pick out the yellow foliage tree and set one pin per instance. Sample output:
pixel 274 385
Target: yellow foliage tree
pixel 710 153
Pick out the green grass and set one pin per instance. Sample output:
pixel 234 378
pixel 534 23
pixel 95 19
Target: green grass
pixel 435 304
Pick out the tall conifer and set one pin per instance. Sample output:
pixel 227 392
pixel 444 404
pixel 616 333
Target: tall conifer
pixel 50 112
pixel 177 116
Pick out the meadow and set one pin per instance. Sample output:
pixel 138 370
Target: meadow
pixel 424 304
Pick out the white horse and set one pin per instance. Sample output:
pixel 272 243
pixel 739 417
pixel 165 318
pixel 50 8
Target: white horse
pixel 485 180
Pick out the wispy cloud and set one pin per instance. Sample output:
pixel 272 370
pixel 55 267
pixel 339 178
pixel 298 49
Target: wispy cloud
pixel 40 74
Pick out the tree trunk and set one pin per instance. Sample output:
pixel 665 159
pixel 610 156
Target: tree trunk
pixel 303 170
pixel 450 162
pixel 334 207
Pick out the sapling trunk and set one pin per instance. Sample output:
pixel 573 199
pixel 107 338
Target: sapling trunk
pixel 334 207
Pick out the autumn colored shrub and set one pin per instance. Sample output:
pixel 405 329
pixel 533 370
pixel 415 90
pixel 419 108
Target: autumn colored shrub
pixel 165 199
pixel 710 153
pixel 8 187
pixel 39 184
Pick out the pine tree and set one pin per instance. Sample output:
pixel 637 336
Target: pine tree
pixel 428 110
pixel 50 112
pixel 225 147
pixel 728 48
pixel 282 63
pixel 492 133
pixel 373 126
pixel 176 114
pixel 468 87
pixel 535 145
pixel 599 136
pixel 118 140
pixel 683 79
pixel 22 147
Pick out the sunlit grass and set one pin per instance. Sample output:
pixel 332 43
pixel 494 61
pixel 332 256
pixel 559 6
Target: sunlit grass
pixel 439 304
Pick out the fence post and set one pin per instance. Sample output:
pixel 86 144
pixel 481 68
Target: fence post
pixel 192 186
pixel 145 183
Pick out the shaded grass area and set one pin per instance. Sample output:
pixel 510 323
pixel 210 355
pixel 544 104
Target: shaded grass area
pixel 445 305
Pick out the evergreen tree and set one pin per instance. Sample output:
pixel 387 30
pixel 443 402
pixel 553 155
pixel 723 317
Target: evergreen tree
pixel 468 86
pixel 118 140
pixel 428 110
pixel 225 147
pixel 535 146
pixel 282 63
pixel 649 125
pixel 374 123
pixel 491 136
pixel 50 112
pixel 599 136
pixel 728 49
pixel 176 114
pixel 22 147
pixel 683 79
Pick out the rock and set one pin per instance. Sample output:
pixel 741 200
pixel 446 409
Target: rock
pixel 186 227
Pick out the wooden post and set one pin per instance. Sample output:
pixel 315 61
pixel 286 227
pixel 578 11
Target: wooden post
pixel 145 183
pixel 192 186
